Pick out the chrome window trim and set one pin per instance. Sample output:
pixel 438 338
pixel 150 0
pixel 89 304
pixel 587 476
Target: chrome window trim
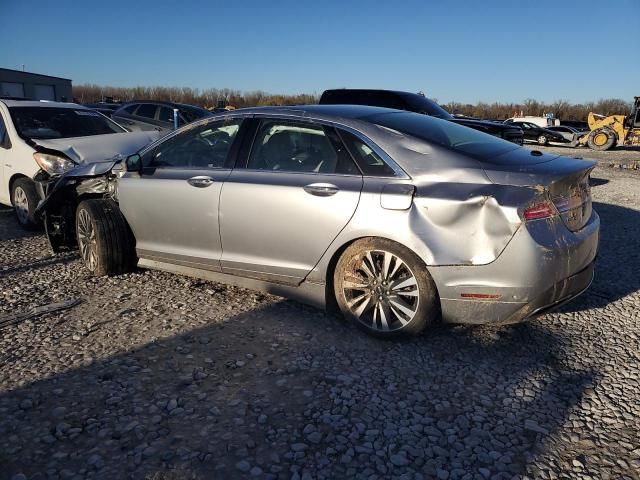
pixel 292 172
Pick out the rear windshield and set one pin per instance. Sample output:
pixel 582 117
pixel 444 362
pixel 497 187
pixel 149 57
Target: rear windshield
pixel 191 114
pixel 49 122
pixel 444 133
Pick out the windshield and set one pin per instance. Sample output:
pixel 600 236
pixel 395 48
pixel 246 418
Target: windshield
pixel 421 104
pixel 191 113
pixel 50 122
pixel 444 133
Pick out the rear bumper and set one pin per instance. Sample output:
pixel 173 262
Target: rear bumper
pixel 503 313
pixel 531 277
pixel 556 296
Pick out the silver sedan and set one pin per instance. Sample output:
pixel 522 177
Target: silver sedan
pixel 393 218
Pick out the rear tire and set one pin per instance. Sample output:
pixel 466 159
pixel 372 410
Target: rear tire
pixel 24 199
pixel 385 288
pixel 601 139
pixel 106 244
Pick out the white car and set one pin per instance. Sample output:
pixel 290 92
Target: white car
pixel 49 138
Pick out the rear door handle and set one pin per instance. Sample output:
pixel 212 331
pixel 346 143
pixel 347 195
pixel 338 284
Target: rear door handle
pixel 321 189
pixel 200 181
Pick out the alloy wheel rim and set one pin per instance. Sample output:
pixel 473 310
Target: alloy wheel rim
pixel 381 291
pixel 87 240
pixel 21 204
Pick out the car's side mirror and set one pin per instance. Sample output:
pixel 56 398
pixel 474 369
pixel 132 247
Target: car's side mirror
pixel 134 163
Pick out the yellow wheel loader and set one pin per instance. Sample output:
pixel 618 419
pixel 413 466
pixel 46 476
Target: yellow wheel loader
pixel 607 132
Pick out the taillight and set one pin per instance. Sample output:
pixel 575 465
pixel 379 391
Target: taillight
pixel 539 210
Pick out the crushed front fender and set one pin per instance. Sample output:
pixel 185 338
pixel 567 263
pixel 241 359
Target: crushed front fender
pixel 62 195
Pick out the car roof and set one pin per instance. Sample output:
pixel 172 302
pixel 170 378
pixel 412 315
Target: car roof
pixel 41 103
pixel 381 90
pixel 158 102
pixel 341 111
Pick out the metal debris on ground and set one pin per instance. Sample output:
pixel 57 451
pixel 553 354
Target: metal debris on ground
pixel 13 319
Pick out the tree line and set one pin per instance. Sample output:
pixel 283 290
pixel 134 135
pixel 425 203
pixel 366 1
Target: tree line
pixel 561 109
pixel 203 98
pixel 211 97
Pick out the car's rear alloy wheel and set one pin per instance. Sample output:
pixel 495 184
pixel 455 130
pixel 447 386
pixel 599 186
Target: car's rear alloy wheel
pixel 106 244
pixel 385 288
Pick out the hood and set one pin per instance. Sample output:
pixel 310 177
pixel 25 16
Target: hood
pixel 98 148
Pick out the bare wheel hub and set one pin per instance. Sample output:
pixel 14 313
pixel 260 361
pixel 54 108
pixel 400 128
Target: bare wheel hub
pixel 380 290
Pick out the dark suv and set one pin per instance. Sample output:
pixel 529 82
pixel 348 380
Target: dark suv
pixel 415 102
pixel 154 115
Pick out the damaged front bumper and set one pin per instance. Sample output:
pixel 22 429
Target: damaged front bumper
pixel 60 196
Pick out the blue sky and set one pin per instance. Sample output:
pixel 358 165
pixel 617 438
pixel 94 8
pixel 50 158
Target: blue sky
pixel 462 50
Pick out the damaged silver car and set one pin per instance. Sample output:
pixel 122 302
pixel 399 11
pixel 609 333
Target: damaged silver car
pixel 393 218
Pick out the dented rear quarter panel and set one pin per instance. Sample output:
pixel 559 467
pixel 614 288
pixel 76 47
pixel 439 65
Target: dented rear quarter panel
pixel 458 215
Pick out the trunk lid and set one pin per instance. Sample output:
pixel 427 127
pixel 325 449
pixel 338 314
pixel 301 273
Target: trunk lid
pixel 563 180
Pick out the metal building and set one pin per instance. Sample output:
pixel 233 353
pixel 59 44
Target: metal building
pixel 34 86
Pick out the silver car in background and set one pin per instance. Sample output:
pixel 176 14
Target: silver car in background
pixel 394 218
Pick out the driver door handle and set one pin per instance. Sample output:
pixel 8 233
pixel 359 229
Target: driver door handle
pixel 201 181
pixel 321 189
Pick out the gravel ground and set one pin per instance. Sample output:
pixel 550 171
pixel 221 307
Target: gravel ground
pixel 163 377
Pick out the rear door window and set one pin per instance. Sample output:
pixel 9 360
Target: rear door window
pixel 146 110
pixel 166 114
pixel 131 108
pixel 286 146
pixel 387 100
